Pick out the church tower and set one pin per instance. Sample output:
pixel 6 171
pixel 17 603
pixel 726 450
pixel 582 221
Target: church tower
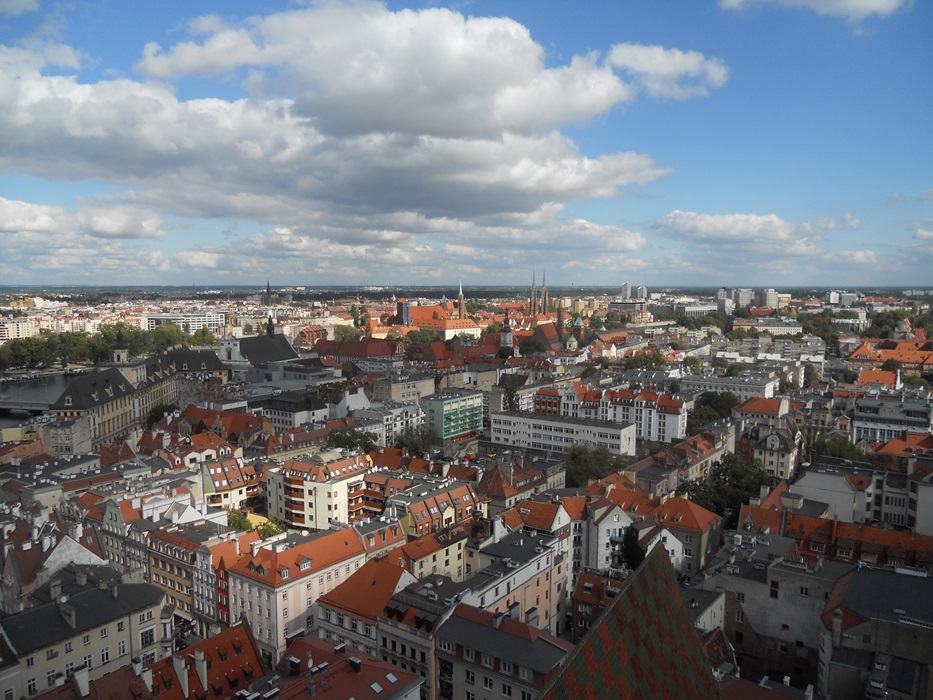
pixel 533 305
pixel 461 302
pixel 545 302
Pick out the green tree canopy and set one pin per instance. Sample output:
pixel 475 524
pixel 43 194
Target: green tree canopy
pixel 417 441
pixel 352 439
pixel 346 334
pixel 633 554
pixel 731 483
pixel 585 463
pixel 650 359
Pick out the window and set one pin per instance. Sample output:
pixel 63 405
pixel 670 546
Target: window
pixel 487 682
pixel 87 639
pixel 31 687
pixel 774 589
pixel 30 662
pixel 740 597
pixel 103 633
pixel 524 674
pixel 804 591
pixel 68 647
pixel 88 661
pixel 505 667
pixel 285 612
pixel 105 655
pixel 121 647
pixel 507 690
pixel 487 661
pixel 469 677
pixel 50 678
pixel 147 637
pixel 120 626
pixel 740 617
pixel 69 669
pixel 469 696
pixel 468 654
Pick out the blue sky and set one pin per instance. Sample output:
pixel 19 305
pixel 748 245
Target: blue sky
pixel 682 142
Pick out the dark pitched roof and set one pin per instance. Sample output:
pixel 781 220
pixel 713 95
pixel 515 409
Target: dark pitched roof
pixel 39 627
pixel 188 360
pixel 642 646
pixel 261 349
pixel 89 390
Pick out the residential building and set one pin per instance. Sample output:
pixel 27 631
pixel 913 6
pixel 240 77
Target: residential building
pixel 99 628
pixel 482 653
pixel 454 415
pixel 276 583
pixel 883 419
pixel 338 669
pixel 560 433
pixel 349 613
pixel 403 387
pixel 877 637
pixel 774 599
pixel 745 387
pixel 394 419
pixel 320 489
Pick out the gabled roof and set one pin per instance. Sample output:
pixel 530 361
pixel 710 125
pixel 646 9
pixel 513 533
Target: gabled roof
pixel 643 645
pixel 231 661
pixel 368 590
pixel 261 349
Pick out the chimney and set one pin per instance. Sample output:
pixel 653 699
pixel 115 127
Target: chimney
pixel 81 578
pixel 355 664
pixel 497 619
pixel 55 588
pixel 81 679
pixel 181 672
pixel 200 665
pixel 114 589
pixel 69 614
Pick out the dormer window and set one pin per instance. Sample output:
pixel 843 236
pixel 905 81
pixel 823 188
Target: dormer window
pixel 67 400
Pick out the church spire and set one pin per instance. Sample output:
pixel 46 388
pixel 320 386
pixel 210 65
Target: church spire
pixel 461 302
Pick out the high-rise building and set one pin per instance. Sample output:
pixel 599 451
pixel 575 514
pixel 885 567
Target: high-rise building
pixel 626 290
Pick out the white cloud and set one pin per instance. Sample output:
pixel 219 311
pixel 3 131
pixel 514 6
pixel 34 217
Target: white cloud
pixel 923 235
pixel 93 220
pixel 858 257
pixel 18 7
pixel 745 229
pixel 670 72
pixel 852 10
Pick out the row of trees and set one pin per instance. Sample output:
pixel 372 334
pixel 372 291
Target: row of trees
pixel 61 349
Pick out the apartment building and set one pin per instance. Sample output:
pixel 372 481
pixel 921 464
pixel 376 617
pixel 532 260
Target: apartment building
pixel 99 628
pixel 560 433
pixel 275 584
pixel 481 653
pixel 453 415
pixel 393 418
pixel 313 492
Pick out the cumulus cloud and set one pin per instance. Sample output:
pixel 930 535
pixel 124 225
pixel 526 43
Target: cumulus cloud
pixel 735 243
pixel 670 72
pixel 923 235
pixel 94 220
pixel 852 10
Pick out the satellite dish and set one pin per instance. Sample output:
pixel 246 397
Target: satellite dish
pixel 310 661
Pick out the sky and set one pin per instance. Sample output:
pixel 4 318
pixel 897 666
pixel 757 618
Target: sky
pixel 762 143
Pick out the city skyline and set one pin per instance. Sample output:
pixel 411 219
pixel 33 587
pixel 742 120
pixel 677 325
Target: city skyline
pixel 752 143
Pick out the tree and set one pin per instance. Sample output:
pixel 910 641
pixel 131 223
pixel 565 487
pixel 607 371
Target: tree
pixel 650 359
pixel 248 329
pixel 417 441
pixel 892 365
pixel 837 447
pixel 421 337
pixel 166 336
pixel 530 346
pixel 238 521
pixel 633 554
pixel 700 416
pixel 203 337
pixel 811 375
pixel 158 412
pixel 732 482
pixel 510 384
pixel 352 439
pixel 693 365
pixel 585 464
pixel 270 528
pixel 346 334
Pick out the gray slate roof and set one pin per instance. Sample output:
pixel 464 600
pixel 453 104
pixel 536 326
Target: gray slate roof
pixel 44 626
